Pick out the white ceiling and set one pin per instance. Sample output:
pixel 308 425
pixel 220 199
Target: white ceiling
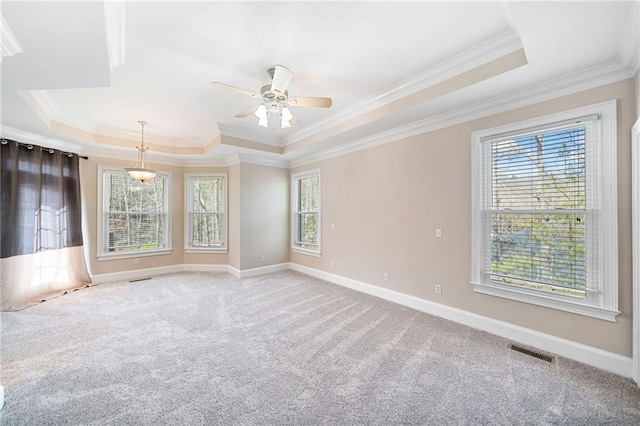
pixel 380 62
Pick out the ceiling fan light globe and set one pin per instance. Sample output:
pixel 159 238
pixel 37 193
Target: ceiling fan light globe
pixel 263 122
pixel 285 124
pixel 286 114
pixel 261 112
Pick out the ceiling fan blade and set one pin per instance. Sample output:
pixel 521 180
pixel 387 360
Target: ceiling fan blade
pixel 281 78
pixel 310 102
pixel 235 89
pixel 247 112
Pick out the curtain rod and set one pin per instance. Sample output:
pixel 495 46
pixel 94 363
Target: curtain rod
pixel 51 150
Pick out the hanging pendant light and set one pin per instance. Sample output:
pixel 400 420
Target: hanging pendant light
pixel 141 171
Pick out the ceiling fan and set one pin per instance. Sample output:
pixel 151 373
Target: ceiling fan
pixel 275 100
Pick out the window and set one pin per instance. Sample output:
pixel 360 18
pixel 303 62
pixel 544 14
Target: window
pixel 305 190
pixel 206 220
pixel 544 211
pixel 132 215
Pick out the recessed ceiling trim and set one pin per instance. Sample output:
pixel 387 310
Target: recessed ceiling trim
pixel 45 106
pixel 260 161
pixel 42 99
pixel 483 72
pixel 577 82
pixel 112 151
pixel 629 52
pixel 119 153
pixel 508 15
pixel 9 44
pixel 469 59
pixel 248 144
pixel 266 138
pixel 115 30
pixel 24 136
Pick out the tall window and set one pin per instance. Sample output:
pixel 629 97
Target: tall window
pixel 543 222
pixel 134 217
pixel 306 211
pixel 206 220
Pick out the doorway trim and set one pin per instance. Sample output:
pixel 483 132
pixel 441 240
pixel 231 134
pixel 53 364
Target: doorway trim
pixel 635 226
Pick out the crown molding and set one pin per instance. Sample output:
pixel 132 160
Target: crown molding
pixel 25 136
pixel 629 51
pixel 154 158
pixel 43 99
pixel 206 162
pixel 469 59
pixel 45 106
pixel 115 30
pixel 260 161
pixel 243 133
pixel 111 152
pixel 567 85
pixel 9 44
pixel 508 15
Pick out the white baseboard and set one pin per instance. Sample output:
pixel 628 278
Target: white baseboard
pixel 188 267
pixel 595 357
pixel 246 273
pixel 233 271
pixel 193 267
pixel 135 274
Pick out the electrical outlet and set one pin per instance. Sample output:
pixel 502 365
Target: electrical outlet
pixel 438 289
pixel 385 276
pixel 262 259
pixel 136 261
pixel 438 233
pixel 333 226
pixel 333 264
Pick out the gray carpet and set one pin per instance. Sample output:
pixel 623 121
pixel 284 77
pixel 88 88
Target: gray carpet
pixel 284 348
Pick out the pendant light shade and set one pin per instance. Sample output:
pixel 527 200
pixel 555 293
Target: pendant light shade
pixel 141 171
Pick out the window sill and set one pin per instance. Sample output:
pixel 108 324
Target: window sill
pixel 306 251
pixel 205 250
pixel 545 300
pixel 130 254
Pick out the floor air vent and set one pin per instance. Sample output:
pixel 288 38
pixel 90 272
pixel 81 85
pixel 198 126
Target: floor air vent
pixel 139 279
pixel 534 354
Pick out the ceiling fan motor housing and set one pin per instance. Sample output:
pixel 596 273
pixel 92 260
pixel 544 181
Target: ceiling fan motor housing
pixel 266 93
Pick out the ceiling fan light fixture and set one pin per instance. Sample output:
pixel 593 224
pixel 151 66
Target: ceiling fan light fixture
pixel 141 171
pixel 286 114
pixel 275 101
pixel 261 112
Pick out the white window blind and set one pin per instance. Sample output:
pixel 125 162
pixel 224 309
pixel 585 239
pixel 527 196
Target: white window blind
pixel 135 213
pixel 544 211
pixel 540 208
pixel 307 208
pixel 206 212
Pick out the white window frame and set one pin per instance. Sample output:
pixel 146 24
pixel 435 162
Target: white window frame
pixel 102 231
pixel 188 194
pixel 603 303
pixel 295 178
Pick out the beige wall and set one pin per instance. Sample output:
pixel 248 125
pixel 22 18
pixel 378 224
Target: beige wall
pixel 257 214
pixel 234 216
pixel 264 217
pixel 89 187
pixel 387 201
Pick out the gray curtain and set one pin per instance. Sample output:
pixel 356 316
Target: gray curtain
pixel 41 252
